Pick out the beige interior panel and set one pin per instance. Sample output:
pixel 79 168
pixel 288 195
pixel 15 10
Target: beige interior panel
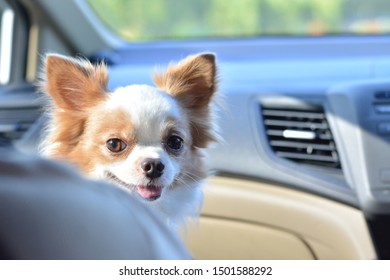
pixel 222 239
pixel 256 210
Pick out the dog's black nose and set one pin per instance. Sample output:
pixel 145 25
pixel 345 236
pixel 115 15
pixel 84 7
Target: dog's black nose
pixel 153 168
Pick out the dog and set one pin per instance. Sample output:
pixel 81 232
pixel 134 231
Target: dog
pixel 147 140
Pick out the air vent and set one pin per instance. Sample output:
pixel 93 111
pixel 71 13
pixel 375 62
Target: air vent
pixel 301 135
pixel 14 122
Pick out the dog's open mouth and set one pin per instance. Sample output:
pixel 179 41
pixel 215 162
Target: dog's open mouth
pixel 148 192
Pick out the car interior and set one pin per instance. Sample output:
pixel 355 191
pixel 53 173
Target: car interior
pixel 303 168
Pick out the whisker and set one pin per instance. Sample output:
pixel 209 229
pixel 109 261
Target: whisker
pixel 186 178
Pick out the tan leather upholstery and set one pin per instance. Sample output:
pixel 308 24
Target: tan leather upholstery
pixel 244 219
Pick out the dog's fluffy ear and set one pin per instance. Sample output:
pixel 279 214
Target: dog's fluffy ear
pixel 74 84
pixel 193 83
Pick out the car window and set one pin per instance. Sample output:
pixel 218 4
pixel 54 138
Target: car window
pixel 138 20
pixel 6 32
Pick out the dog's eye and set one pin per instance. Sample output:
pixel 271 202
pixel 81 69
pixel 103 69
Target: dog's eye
pixel 175 143
pixel 115 145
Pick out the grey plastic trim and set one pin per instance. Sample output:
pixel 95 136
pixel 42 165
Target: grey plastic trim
pixel 366 150
pixel 80 25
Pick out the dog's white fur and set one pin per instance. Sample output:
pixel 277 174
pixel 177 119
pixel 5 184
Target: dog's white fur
pixel 153 107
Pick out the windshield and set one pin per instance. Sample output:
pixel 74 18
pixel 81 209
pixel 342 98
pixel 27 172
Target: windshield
pixel 141 20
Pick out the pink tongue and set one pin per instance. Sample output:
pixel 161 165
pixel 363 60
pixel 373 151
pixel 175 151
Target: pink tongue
pixel 149 191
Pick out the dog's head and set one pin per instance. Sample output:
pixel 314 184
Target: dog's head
pixel 145 139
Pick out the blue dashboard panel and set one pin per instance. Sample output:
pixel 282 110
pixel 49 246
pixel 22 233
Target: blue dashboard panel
pixel 285 63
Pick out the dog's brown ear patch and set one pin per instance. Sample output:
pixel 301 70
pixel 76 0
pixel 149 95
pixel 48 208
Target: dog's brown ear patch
pixel 74 84
pixel 193 83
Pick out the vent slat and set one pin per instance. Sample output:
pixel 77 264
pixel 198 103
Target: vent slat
pixel 301 135
pixel 287 144
pixel 286 113
pixel 274 132
pixel 307 156
pixel 278 132
pixel 310 125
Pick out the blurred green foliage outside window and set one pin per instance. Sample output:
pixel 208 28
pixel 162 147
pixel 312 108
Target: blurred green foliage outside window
pixel 142 20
